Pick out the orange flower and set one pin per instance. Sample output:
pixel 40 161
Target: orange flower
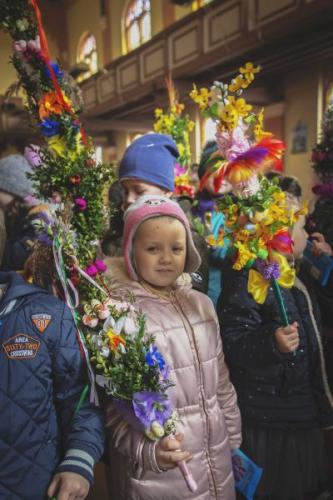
pixel 115 341
pixel 51 104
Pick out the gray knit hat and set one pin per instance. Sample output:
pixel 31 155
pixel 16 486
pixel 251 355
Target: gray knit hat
pixel 13 176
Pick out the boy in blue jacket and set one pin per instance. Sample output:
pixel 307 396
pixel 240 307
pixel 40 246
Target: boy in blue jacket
pixel 46 449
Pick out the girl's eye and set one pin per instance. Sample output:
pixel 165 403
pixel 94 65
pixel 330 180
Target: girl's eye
pixel 152 249
pixel 178 250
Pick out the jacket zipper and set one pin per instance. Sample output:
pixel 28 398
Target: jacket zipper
pixel 188 327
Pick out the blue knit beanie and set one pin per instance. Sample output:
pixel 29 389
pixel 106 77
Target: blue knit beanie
pixel 13 176
pixel 151 158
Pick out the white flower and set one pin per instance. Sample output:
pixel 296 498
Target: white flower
pixel 109 324
pixel 96 340
pixel 103 311
pixel 130 327
pixel 105 351
pixel 90 320
pixel 157 429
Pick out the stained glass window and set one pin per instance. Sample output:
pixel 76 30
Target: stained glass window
pixel 137 23
pixel 87 54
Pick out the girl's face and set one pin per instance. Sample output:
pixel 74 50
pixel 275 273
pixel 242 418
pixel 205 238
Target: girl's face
pixel 300 236
pixel 160 251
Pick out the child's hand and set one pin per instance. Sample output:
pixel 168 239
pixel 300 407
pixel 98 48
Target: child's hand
pixel 287 338
pixel 168 452
pixel 320 245
pixel 67 486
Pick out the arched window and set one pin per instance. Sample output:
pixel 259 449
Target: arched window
pixel 137 23
pixel 87 54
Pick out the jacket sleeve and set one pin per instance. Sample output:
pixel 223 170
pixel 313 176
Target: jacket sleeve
pixel 228 401
pixel 247 328
pixel 81 432
pixel 129 442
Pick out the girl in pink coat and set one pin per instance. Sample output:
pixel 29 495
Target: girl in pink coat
pixel 158 249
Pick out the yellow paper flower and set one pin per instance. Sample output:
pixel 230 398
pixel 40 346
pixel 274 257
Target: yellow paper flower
pixel 115 341
pixel 200 97
pixel 239 83
pixel 240 105
pixel 259 132
pixel 243 256
pixel 60 147
pixel 249 71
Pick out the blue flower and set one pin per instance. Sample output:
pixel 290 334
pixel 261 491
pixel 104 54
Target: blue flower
pixel 57 71
pixel 155 358
pixel 49 127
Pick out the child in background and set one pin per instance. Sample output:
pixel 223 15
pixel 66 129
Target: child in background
pixel 46 448
pixel 280 379
pixel 158 249
pixel 212 220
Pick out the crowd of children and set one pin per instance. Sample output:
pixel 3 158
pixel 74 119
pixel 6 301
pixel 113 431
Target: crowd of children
pixel 274 406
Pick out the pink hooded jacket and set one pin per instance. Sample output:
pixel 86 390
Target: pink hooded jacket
pixel 186 331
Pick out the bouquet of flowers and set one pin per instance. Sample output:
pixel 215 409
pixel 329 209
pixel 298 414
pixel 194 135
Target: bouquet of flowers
pixel 129 366
pixel 257 215
pixel 244 147
pixel 131 369
pixel 174 123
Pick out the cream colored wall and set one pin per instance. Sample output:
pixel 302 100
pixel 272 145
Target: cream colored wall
pixel 116 11
pixel 8 73
pixel 83 16
pixel 182 11
pixel 301 103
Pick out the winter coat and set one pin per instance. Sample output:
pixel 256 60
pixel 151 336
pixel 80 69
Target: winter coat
pixel 274 390
pixel 186 331
pixel 3 234
pixel 41 378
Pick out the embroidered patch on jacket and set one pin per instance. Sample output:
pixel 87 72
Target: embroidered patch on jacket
pixel 41 321
pixel 21 346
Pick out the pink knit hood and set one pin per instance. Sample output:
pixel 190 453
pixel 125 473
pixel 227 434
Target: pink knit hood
pixel 147 207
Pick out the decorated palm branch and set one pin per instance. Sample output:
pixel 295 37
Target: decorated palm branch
pixel 258 217
pixel 121 357
pixel 179 126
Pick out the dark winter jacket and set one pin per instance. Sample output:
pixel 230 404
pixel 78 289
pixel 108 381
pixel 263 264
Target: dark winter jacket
pixel 274 389
pixel 41 378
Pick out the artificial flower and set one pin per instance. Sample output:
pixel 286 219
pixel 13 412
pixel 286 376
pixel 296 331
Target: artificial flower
pixel 91 270
pixel 151 406
pixel 258 286
pixel 116 341
pixel 249 71
pixel 51 104
pixel 49 127
pixel 155 358
pixel 100 265
pixel 58 73
pixel 259 132
pixel 75 179
pixel 244 255
pixel 81 203
pixel 90 320
pixel 200 97
pixel 239 83
pixel 22 24
pixel 32 155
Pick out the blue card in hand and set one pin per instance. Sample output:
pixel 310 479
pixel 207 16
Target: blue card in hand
pixel 319 267
pixel 246 473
